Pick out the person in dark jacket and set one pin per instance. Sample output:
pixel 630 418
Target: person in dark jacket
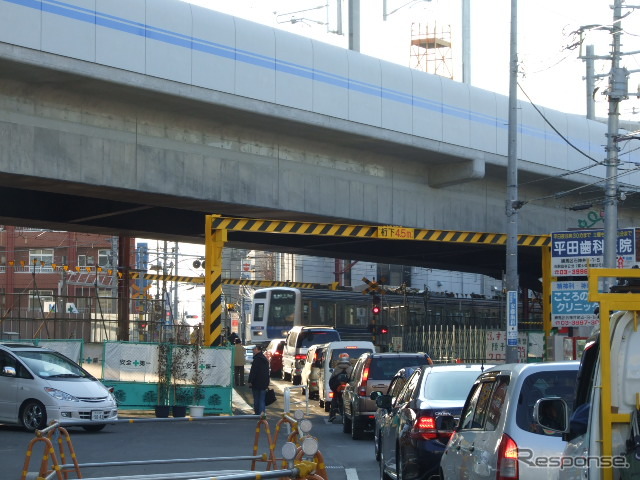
pixel 259 379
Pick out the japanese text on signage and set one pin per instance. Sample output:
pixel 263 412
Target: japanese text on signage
pixel 396 233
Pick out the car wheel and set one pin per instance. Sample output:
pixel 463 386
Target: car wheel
pixel 346 424
pixel 441 474
pixel 33 416
pixel 296 379
pixel 94 428
pixel 376 446
pixel 327 406
pixel 286 376
pixel 356 428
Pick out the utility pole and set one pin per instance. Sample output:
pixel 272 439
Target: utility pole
pixel 512 204
pixel 466 42
pixel 354 25
pixel 591 84
pixel 617 91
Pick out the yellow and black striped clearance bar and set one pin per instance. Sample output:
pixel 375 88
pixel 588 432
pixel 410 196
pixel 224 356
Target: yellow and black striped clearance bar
pixel 217 227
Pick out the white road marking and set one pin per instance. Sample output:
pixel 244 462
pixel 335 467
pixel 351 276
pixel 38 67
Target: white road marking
pixel 352 473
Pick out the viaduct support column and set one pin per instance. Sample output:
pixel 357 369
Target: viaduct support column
pixel 215 240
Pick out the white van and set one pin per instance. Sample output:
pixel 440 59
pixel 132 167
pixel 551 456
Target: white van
pixel 598 427
pixel 297 343
pixel 330 359
pixel 38 385
pixel 311 369
pixel 582 427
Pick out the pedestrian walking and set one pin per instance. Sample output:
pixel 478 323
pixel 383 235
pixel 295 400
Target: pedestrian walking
pixel 259 379
pixel 238 362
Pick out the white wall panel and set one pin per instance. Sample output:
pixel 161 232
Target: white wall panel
pixel 331 85
pixel 502 125
pixel 578 134
pixel 214 44
pixel 396 98
pixel 531 134
pixel 120 34
pixel 555 146
pixel 294 72
pixel 455 109
pixel 483 121
pixel 427 105
pixel 168 45
pixel 597 142
pixel 255 64
pixel 69 29
pixel 365 104
pixel 14 18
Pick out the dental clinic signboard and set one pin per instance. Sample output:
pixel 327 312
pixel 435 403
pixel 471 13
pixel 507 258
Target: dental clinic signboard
pixel 572 254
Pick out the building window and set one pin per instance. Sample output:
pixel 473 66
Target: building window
pixel 104 258
pixel 82 260
pixel 40 255
pixel 108 304
pixel 39 300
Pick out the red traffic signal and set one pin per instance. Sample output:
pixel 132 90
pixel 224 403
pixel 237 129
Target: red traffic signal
pixel 383 329
pixel 376 305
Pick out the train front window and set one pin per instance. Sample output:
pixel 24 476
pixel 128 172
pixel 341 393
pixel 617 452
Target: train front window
pixel 258 312
pixel 282 309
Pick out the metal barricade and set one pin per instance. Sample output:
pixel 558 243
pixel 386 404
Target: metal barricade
pixel 305 458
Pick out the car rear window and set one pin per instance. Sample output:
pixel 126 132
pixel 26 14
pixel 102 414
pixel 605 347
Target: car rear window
pixel 308 338
pixel 353 353
pixel 449 385
pixel 385 368
pixel 556 383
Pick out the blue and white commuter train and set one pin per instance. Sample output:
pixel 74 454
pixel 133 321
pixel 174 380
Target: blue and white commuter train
pixel 276 309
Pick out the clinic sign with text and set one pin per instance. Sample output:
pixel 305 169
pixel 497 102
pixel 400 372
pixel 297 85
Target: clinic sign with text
pixel 574 252
pixel 570 305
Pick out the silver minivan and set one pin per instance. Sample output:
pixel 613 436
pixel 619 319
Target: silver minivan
pixel 497 436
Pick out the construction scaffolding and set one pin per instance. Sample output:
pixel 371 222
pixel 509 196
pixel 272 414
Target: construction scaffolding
pixel 431 49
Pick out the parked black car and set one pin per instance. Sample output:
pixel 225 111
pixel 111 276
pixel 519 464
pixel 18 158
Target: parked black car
pixel 421 419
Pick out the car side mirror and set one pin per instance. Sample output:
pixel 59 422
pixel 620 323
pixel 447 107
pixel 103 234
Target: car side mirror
pixel 9 371
pixel 375 395
pixel 384 401
pixel 552 414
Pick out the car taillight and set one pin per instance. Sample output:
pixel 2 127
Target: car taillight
pixel 330 394
pixel 362 389
pixel 277 354
pixel 425 428
pixel 300 357
pixel 507 459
